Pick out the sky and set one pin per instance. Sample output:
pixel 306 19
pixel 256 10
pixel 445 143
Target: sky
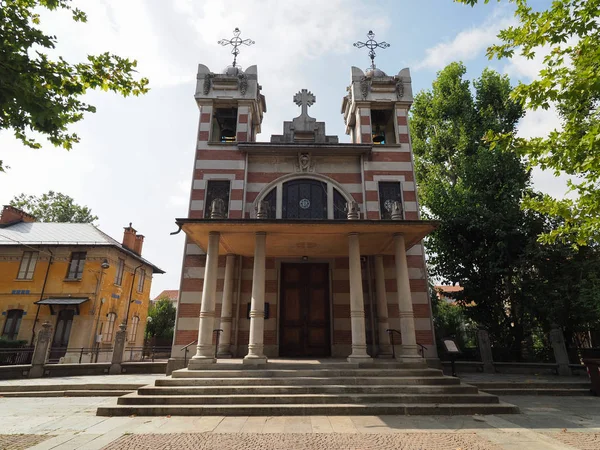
pixel 135 159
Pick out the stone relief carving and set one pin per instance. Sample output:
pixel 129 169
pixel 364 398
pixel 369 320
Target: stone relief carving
pixel 399 89
pixel 262 210
pixel 352 209
pixel 305 163
pixel 397 210
pixel 217 210
pixel 207 82
pixel 243 83
pixel 365 84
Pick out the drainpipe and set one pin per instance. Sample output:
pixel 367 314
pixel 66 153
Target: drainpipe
pixel 130 294
pixel 50 261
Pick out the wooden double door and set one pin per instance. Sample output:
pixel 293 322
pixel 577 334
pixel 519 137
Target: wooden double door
pixel 305 317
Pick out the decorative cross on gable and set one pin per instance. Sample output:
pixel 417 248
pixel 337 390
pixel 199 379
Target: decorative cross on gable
pixel 236 41
pixel 371 44
pixel 305 99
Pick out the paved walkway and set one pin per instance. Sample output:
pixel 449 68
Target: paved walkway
pixel 142 379
pixel 546 423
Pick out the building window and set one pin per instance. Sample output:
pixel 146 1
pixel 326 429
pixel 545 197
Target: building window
pixel 135 321
pixel 76 265
pixel 141 280
pixel 217 189
pixel 119 274
pixel 339 206
pixel 28 262
pixel 304 199
pixel 12 324
pixel 224 126
pixel 271 199
pixel 382 125
pixel 389 192
pixel 110 327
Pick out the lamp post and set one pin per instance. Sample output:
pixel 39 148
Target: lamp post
pixel 105 265
pixel 130 294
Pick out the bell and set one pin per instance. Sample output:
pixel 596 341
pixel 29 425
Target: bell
pixel 228 135
pixel 378 138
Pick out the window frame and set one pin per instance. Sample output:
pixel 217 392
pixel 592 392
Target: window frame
pixel 110 327
pixel 32 259
pixel 120 272
pixel 135 321
pixel 13 332
pixel 210 197
pixel 381 201
pixel 76 274
pixel 141 281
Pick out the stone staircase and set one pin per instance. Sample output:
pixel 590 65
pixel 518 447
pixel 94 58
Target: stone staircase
pixel 376 388
pixel 558 388
pixel 69 390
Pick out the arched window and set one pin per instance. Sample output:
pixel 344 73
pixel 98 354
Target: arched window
pixel 304 199
pixel 135 321
pixel 12 324
pixel 110 327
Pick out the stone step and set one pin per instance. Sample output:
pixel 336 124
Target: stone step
pixel 76 393
pixel 308 389
pixel 71 387
pixel 286 399
pixel 386 364
pixel 532 385
pixel 276 381
pixel 532 391
pixel 257 373
pixel 340 409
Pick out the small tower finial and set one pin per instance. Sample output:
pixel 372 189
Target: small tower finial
pixel 371 44
pixel 236 41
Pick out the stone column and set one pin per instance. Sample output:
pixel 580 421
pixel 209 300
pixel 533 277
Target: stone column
pixel 382 308
pixel 205 353
pixel 257 305
pixel 357 306
pixel 407 317
pixel 117 356
pixel 561 356
pixel 40 352
pixel 224 350
pixel 485 351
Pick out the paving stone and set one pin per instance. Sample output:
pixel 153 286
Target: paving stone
pixel 577 439
pixel 300 441
pixel 21 441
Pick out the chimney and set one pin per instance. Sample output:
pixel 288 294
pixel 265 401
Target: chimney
pixel 139 242
pixel 129 237
pixel 11 215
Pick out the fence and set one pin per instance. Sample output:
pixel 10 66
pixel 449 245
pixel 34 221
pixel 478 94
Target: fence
pixel 79 355
pixel 16 356
pixel 147 353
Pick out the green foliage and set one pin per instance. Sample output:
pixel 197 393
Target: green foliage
pixel 161 319
pixel 11 343
pixel 449 320
pixel 42 94
pixel 53 207
pixel 569 31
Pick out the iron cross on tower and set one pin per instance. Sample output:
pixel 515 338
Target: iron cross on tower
pixel 236 41
pixel 371 44
pixel 305 99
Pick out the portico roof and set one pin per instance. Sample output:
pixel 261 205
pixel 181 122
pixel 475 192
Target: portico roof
pixel 314 238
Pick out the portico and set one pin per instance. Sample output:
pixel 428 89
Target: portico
pixel 304 240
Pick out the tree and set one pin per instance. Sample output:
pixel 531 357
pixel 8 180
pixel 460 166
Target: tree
pixel 53 207
pixel 569 31
pixel 161 319
pixel 41 94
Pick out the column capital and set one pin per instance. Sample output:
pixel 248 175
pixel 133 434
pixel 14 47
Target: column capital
pixel 214 233
pixel 353 233
pixel 261 233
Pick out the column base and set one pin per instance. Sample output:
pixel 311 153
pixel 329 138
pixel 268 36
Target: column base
pixel 254 360
pixel 359 358
pixel 410 358
pixel 200 362
pixel 224 355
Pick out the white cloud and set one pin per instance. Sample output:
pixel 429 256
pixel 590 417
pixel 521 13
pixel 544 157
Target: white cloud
pixel 466 45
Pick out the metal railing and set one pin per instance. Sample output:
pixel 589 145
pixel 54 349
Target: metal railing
pixel 77 355
pixel 391 332
pixel 185 358
pixel 16 356
pixel 148 352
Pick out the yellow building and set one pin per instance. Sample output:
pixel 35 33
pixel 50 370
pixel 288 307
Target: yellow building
pixel 76 277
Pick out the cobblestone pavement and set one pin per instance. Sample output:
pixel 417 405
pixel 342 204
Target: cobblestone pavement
pixel 579 440
pixel 277 441
pixel 21 441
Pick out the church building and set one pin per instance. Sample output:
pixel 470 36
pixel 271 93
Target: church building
pixel 302 246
